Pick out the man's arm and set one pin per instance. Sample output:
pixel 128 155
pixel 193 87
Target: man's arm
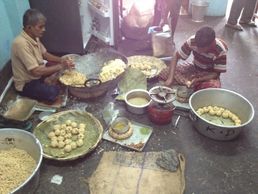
pixel 212 75
pixel 42 70
pixel 59 60
pixel 50 57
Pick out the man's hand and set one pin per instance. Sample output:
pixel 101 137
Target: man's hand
pixel 164 75
pixel 191 83
pixel 67 63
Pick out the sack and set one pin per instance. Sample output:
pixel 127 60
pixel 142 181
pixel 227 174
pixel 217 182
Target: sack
pixel 136 23
pixel 131 172
pixel 162 44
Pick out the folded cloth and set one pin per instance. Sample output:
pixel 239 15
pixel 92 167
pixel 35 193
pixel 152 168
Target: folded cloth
pixel 168 160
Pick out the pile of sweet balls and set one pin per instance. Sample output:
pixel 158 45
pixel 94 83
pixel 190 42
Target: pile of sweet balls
pixel 220 112
pixel 67 136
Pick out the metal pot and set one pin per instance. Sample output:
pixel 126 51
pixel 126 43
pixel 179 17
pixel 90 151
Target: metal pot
pixel 11 137
pixel 91 65
pixel 137 93
pixel 223 98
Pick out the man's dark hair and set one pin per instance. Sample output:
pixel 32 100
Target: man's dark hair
pixel 32 17
pixel 204 37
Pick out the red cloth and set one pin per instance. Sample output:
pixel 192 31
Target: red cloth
pixel 186 72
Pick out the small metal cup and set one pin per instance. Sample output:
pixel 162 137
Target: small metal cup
pixel 122 120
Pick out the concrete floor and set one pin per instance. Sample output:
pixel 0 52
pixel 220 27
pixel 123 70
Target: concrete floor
pixel 211 166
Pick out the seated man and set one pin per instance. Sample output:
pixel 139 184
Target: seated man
pixel 209 60
pixel 28 55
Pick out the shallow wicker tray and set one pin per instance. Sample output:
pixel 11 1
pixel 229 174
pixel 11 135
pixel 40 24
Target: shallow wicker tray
pixel 93 134
pixel 157 65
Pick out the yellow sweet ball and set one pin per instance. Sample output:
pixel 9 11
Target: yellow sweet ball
pixel 79 142
pixel 210 107
pixel 234 117
pixel 215 108
pixel 80 136
pixel 205 109
pixel 218 113
pixel 57 132
pixel 67 141
pixel 61 144
pixel 68 122
pixel 68 148
pixel 60 138
pixel 221 109
pixel 82 125
pixel 51 134
pixel 73 145
pixel 81 130
pixel 238 122
pixel 74 124
pixel 230 114
pixel 68 135
pixel 75 131
pixel 212 112
pixel 54 144
pixel 200 111
pixel 54 138
pixel 225 114
pixel 62 132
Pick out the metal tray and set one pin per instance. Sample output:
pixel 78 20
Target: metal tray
pixel 20 110
pixel 138 140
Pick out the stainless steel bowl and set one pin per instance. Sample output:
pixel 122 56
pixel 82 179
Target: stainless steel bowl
pixel 11 137
pixel 137 109
pixel 223 98
pixel 124 122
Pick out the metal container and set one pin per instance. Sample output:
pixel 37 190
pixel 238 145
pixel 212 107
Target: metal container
pixel 90 65
pixel 11 137
pixel 21 109
pixel 160 110
pixel 199 10
pixel 137 93
pixel 223 98
pixel 120 125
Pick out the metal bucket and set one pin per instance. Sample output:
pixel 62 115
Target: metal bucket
pixel 11 137
pixel 199 10
pixel 226 99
